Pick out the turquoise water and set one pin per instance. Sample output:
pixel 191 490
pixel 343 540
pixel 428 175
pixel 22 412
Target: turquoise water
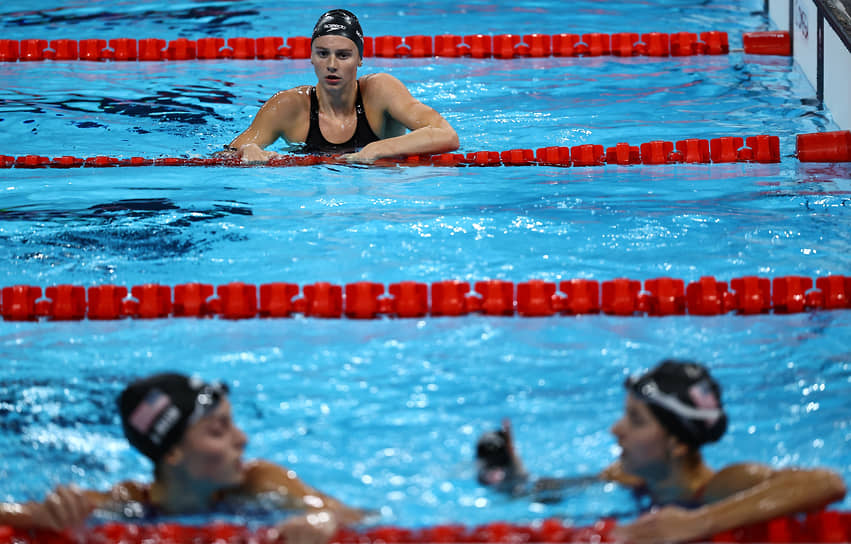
pixel 384 414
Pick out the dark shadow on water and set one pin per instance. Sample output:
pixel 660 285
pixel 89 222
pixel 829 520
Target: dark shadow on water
pixel 147 229
pixel 204 20
pixel 178 105
pixel 134 208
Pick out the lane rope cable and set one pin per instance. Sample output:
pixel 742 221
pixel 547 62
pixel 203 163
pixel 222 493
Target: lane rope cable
pixel 747 295
pixel 499 46
pixel 817 147
pixel 815 527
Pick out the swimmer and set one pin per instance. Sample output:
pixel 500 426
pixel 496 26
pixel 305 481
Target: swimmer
pixel 365 118
pixel 499 466
pixel 670 413
pixel 184 426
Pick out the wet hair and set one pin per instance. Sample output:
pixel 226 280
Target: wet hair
pixel 339 22
pixel 685 399
pixel 157 410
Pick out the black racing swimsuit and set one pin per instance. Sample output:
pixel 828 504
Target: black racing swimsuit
pixel 316 142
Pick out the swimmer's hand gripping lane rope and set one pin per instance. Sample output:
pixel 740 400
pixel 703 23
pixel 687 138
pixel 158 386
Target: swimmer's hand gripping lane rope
pixel 815 527
pixel 408 299
pixel 500 46
pixel 818 147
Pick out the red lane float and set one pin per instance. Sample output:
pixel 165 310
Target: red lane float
pixel 819 147
pixel 500 46
pixel 825 146
pixel 776 42
pixel 816 527
pixel 368 300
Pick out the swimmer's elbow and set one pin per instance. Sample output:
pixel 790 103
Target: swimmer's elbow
pixel 454 143
pixel 449 139
pixel 822 485
pixel 834 486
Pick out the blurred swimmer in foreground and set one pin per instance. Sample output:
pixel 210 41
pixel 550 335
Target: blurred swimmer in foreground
pixel 365 118
pixel 670 413
pixel 184 426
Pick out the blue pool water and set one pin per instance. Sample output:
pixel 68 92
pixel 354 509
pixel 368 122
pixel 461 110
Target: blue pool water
pixel 384 414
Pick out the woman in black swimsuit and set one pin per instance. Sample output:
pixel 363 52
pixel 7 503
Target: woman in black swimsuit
pixel 671 412
pixel 366 118
pixel 184 426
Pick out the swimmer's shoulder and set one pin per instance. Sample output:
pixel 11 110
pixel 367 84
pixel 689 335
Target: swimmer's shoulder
pixel 383 95
pixel 263 476
pixel 381 85
pixel 734 479
pixel 290 100
pixel 287 114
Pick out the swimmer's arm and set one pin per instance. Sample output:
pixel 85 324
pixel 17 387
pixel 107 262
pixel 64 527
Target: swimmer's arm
pixel 64 507
pixel 519 469
pixel 271 122
pixel 265 477
pixel 738 495
pixel 430 132
pixel 616 473
pixel 749 493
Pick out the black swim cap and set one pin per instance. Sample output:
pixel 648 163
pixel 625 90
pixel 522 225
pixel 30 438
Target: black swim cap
pixel 685 399
pixel 339 22
pixel 492 449
pixel 155 411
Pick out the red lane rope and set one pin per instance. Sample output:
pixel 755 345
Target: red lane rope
pixel 409 299
pixel 501 46
pixel 815 527
pixel 817 147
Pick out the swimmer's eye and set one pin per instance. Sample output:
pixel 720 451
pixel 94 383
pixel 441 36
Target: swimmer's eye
pixel 344 54
pixel 635 418
pixel 219 426
pixel 321 53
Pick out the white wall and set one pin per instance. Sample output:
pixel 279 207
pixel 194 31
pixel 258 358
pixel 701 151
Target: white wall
pixel 805 40
pixel 837 58
pixel 778 11
pixel 837 78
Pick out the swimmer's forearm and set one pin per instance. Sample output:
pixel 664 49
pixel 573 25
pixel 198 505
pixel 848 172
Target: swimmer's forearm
pixel 616 473
pixel 422 141
pixel 787 491
pixel 16 515
pixel 258 135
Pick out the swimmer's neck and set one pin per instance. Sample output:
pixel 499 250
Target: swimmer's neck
pixel 174 494
pixel 337 102
pixel 681 484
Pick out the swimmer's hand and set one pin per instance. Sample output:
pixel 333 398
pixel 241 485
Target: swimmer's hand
pixel 254 154
pixel 512 451
pixel 64 508
pixel 313 528
pixel 669 524
pixel 358 158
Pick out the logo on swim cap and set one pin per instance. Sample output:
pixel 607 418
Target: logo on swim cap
pixel 339 22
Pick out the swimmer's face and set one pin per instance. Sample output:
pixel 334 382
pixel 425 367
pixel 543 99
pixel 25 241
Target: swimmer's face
pixel 646 447
pixel 335 60
pixel 211 449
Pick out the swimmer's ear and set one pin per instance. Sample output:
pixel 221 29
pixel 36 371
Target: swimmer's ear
pixel 677 448
pixel 173 457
